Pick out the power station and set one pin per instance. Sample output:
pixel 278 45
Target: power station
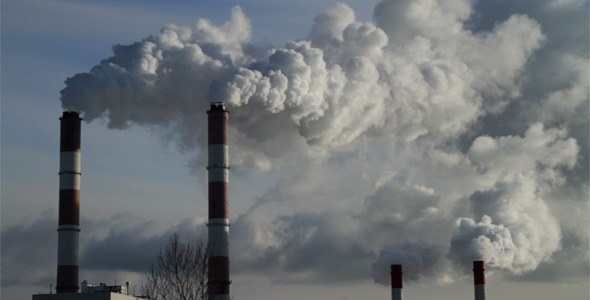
pixel 218 224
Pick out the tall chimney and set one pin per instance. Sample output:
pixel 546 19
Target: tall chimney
pixel 396 282
pixel 479 280
pixel 69 204
pixel 218 224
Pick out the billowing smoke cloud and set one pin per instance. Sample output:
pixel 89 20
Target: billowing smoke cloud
pixel 319 83
pixel 432 115
pixel 519 234
pixel 516 230
pixel 347 81
pixel 162 80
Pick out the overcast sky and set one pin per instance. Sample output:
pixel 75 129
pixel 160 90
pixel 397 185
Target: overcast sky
pixel 362 133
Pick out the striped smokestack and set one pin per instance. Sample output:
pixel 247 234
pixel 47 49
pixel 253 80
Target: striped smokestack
pixel 479 280
pixel 69 204
pixel 396 282
pixel 218 203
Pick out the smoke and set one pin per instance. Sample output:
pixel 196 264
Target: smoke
pixel 319 82
pixel 347 81
pixel 516 230
pixel 162 80
pixel 412 113
pixel 396 213
pixel 289 244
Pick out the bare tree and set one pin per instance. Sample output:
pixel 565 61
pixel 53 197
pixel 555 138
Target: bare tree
pixel 180 272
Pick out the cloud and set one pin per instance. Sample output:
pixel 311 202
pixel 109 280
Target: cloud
pixel 30 252
pixel 129 245
pixel 302 247
pixel 121 243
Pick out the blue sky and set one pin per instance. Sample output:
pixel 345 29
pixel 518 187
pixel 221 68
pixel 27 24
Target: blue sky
pixel 419 134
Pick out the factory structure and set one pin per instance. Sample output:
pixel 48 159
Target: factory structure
pixel 67 281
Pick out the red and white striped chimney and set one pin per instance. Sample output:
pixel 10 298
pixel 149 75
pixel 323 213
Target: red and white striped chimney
pixel 479 280
pixel 218 225
pixel 69 204
pixel 396 282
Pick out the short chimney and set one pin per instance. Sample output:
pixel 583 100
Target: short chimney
pixel 396 282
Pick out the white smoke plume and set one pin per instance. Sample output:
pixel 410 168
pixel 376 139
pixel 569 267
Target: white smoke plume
pixel 348 81
pixel 406 103
pixel 516 230
pixel 519 235
pixel 319 82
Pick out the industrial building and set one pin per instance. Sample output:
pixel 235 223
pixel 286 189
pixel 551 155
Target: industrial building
pixel 86 296
pixel 93 292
